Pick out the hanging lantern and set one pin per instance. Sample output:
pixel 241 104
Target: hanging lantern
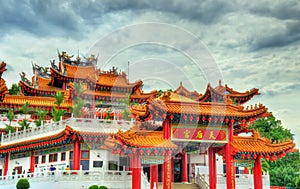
pixel 215 120
pixel 171 116
pixel 267 157
pixel 254 156
pixel 248 156
pixel 209 119
pixel 184 117
pixel 243 156
pixel 226 120
pixel 191 118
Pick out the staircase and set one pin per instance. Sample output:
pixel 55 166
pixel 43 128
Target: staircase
pixel 180 186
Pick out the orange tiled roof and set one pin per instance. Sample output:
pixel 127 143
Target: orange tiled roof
pixel 181 90
pixel 108 79
pixel 257 144
pixel 82 72
pixel 145 139
pixel 222 91
pixel 179 105
pixel 42 87
pixel 34 101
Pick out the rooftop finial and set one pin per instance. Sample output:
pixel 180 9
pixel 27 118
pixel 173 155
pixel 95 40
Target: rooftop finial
pixel 180 83
pixel 220 82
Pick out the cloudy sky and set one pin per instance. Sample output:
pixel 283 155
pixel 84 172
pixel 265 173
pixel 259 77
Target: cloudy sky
pixel 245 44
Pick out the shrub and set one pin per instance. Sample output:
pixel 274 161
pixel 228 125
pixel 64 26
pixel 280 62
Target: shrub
pixel 102 187
pixel 94 187
pixel 23 184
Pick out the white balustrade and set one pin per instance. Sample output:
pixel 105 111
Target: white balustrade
pixel 81 124
pixel 122 178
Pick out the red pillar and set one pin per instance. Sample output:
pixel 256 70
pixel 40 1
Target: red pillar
pixel 76 154
pixel 153 176
pixel 6 160
pixel 167 128
pixel 32 162
pixel 230 170
pixel 246 171
pixel 136 171
pixel 184 176
pixel 212 168
pixel 257 174
pixel 167 171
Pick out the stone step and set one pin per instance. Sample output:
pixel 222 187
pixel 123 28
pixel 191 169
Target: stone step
pixel 180 186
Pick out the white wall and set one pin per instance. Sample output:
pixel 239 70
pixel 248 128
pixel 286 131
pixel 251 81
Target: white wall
pixel 101 155
pixel 2 165
pixel 24 162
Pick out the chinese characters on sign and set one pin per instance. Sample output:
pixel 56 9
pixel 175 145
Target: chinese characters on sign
pixel 208 134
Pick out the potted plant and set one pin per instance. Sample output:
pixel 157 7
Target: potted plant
pixel 23 184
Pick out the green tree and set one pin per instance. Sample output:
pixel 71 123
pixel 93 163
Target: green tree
pixel 14 89
pixel 24 124
pixel 25 109
pixel 41 116
pixel 57 113
pixel 78 103
pixel 272 129
pixel 10 116
pixel 282 171
pixel 59 98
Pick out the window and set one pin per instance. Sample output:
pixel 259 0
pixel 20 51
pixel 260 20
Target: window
pixel 97 163
pixel 71 155
pixel 63 156
pixel 44 159
pixel 36 160
pixel 112 165
pixel 85 154
pixel 52 157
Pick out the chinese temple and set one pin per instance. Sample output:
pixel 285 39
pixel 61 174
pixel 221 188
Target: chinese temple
pixel 167 136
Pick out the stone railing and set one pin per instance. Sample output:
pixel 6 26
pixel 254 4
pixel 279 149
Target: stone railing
pixel 81 124
pixel 201 182
pixel 144 181
pixel 111 179
pixel 242 181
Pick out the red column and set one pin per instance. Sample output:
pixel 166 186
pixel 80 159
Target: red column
pixel 246 171
pixel 153 176
pixel 167 171
pixel 136 171
pixel 230 170
pixel 32 162
pixel 257 174
pixel 166 128
pixel 6 160
pixel 76 154
pixel 64 85
pixel 184 176
pixel 212 168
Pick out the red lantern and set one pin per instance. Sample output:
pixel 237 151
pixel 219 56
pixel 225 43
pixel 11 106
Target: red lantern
pixel 215 120
pixel 248 156
pixel 209 119
pixel 243 156
pixel 254 156
pixel 172 117
pixel 191 118
pixel 203 118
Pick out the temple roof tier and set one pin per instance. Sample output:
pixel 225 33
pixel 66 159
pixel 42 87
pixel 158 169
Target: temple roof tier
pixel 172 103
pixel 34 101
pixel 220 92
pixel 256 144
pixel 144 139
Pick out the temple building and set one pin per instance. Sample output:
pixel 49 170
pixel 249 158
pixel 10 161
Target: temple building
pixel 121 132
